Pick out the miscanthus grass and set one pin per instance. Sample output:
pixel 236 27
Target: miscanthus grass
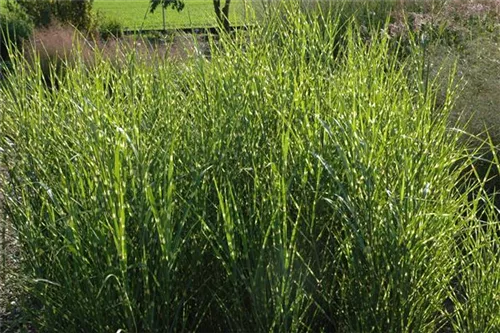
pixel 302 179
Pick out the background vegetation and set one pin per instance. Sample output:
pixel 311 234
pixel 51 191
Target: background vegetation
pixel 45 12
pixel 136 15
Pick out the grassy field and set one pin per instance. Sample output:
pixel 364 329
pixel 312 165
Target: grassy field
pixel 134 14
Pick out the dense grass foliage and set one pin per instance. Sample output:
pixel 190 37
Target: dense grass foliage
pixel 302 179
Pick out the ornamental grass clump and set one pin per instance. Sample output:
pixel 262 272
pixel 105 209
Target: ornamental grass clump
pixel 299 180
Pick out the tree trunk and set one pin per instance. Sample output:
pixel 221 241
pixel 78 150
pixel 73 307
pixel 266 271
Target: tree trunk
pixel 217 11
pixel 225 15
pixel 222 14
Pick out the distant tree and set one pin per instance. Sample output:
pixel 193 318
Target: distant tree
pixel 221 9
pixel 174 4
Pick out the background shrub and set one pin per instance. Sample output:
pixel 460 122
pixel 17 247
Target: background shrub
pixel 110 27
pixel 14 28
pixel 45 12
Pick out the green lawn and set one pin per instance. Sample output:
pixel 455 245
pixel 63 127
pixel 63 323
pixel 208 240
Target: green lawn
pixel 134 14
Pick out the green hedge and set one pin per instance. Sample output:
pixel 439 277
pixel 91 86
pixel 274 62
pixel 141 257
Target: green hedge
pixel 14 28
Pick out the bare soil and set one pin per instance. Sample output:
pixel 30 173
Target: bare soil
pixel 10 315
